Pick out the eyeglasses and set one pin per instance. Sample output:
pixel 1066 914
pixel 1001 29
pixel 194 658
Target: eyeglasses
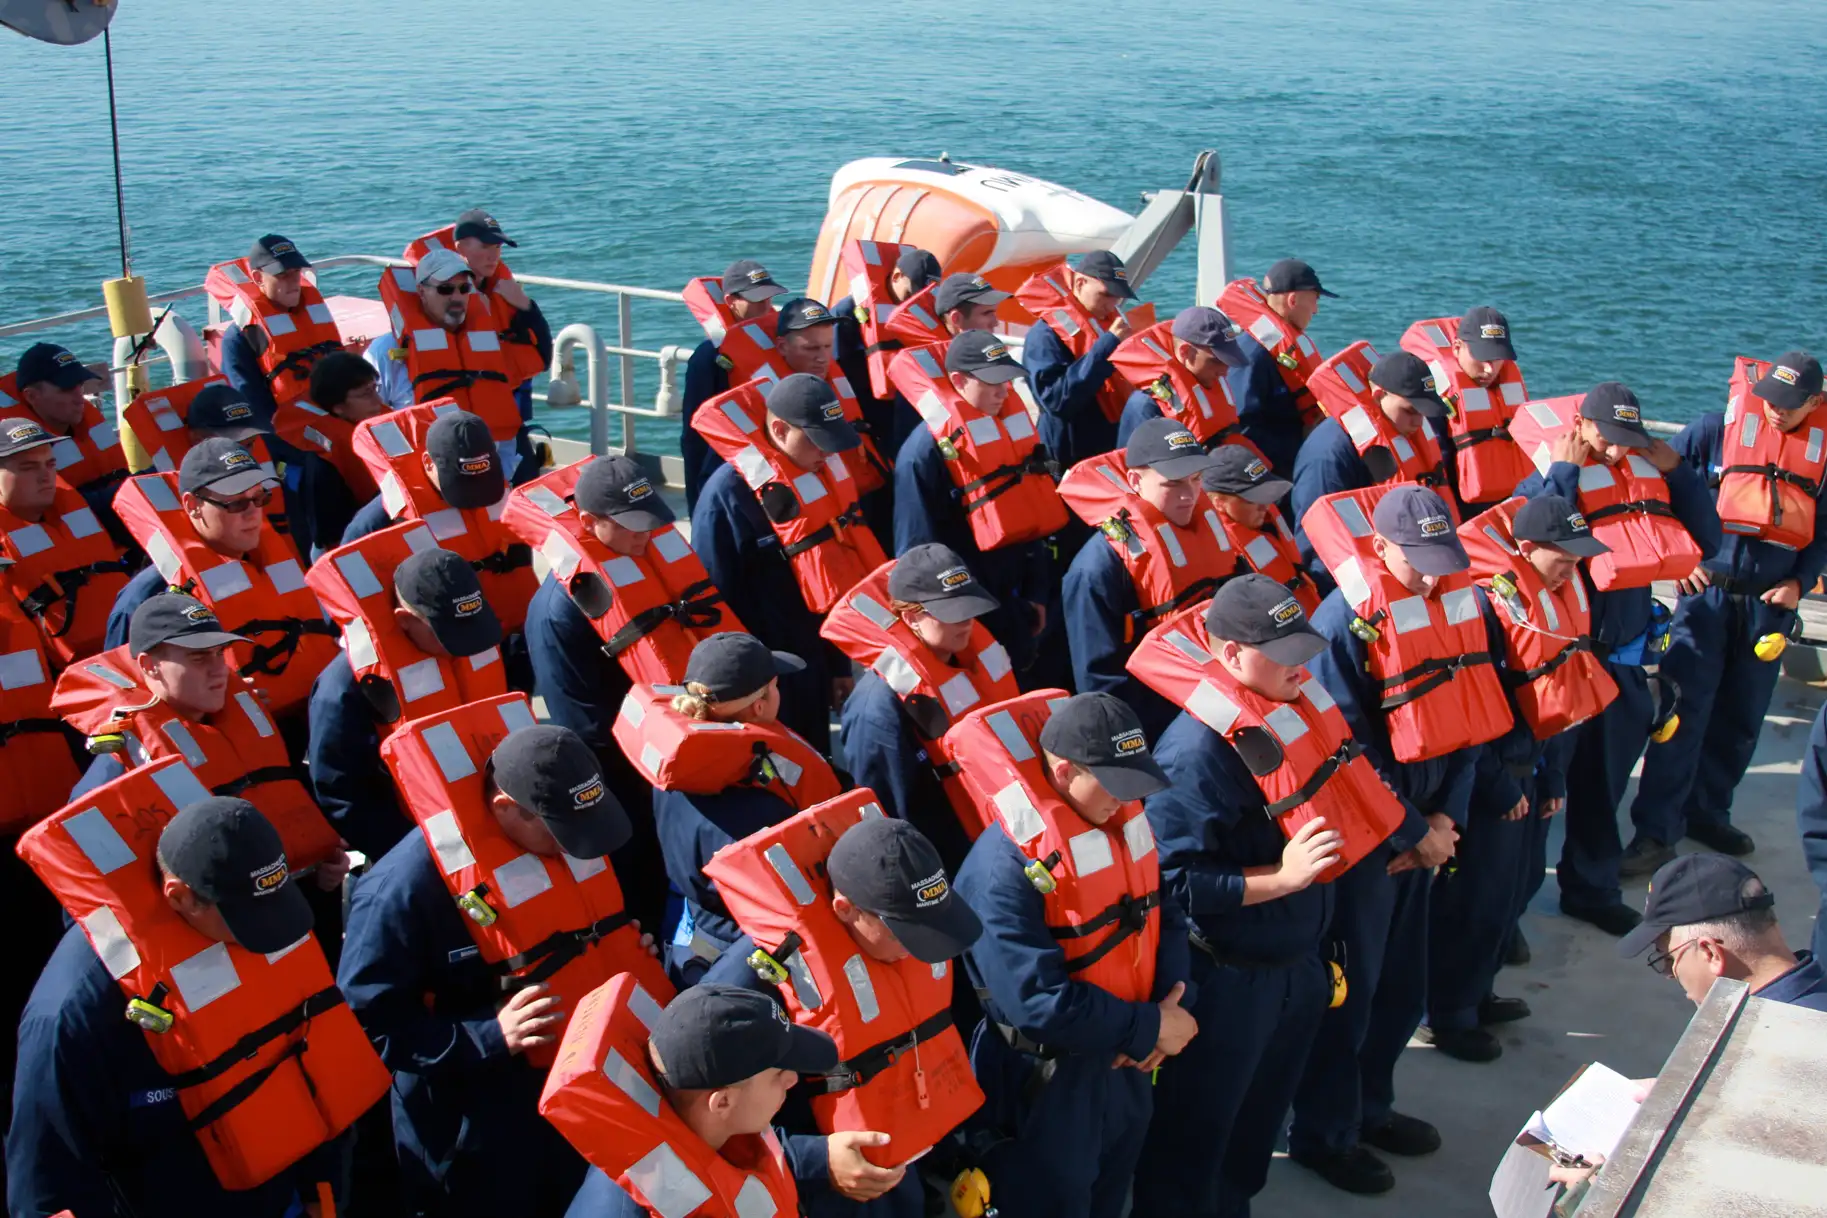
pixel 448 289
pixel 240 507
pixel 1663 963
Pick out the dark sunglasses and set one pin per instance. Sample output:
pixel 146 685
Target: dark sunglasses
pixel 241 507
pixel 447 289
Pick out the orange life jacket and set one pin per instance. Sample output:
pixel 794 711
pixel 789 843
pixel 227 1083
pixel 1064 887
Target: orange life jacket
pixel 1342 386
pixel 159 420
pixel 556 921
pixel 354 582
pixel 1243 302
pixel 1769 480
pixel 869 267
pixel 873 470
pixel 603 1095
pixel 521 352
pixel 649 609
pixel 236 751
pixel 391 445
pixel 745 349
pixel 1169 566
pixel 89 458
pixel 1003 476
pixel 1146 360
pixel 1272 551
pixel 1047 296
pixel 34 754
pixel 286 341
pixel 813 513
pixel 1432 655
pixel 1627 504
pixel 66 572
pixel 467 365
pixel 1101 883
pixel 915 322
pixel 1302 753
pixel 1549 668
pixel 902 1068
pixel 309 428
pixel 675 752
pixel 1490 465
pixel 264 597
pixel 933 693
pixel 267 1060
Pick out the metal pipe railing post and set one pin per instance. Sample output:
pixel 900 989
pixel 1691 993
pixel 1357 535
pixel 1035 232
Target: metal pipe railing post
pixel 624 317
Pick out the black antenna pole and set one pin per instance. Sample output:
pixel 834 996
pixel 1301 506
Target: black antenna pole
pixel 120 204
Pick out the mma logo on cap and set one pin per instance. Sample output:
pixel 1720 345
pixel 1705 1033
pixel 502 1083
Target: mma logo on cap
pixel 268 879
pixel 1434 526
pixel 953 579
pixel 834 412
pixel 978 281
pixel 587 794
pixel 758 275
pixel 1286 612
pixel 995 351
pixel 237 459
pixel 1491 329
pixel 1131 743
pixel 200 613
pixel 491 221
pixel 481 464
pixel 931 890
pixel 286 247
pixel 468 606
pixel 1120 273
pixel 1427 383
pixel 24 431
pixel 780 1016
pixel 1256 470
pixel 1182 439
pixel 64 359
pixel 1577 522
pixel 1626 414
pixel 237 410
pixel 814 312
pixel 1786 375
pixel 640 488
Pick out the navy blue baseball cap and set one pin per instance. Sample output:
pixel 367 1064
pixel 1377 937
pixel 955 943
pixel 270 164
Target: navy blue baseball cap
pixel 440 587
pixel 1293 275
pixel 617 488
pixel 1408 376
pixel 222 466
pixel 983 355
pixel 220 409
pixel 885 866
pixel 1238 470
pixel 1101 733
pixel 1109 270
pixel 1204 326
pixel 735 665
pixel 1166 447
pixel 275 254
pixel 462 450
pixel 1695 888
pixel 43 362
pixel 483 227
pixel 183 621
pixel 810 403
pixel 963 288
pixel 18 435
pixel 1486 334
pixel 1550 520
pixel 1259 612
pixel 935 578
pixel 1418 520
pixel 714 1036
pixel 232 857
pixel 749 280
pixel 1617 414
pixel 920 266
pixel 552 773
pixel 802 314
pixel 1793 379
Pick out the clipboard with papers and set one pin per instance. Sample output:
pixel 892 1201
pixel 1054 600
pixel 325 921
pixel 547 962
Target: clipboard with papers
pixel 1580 1127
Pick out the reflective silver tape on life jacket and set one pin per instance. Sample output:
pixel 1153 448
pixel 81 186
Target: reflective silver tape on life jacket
pixel 1579 592
pixel 109 938
pixel 515 715
pixel 1179 641
pixel 983 430
pixel 623 571
pixel 1747 430
pixel 1641 468
pixel 1349 576
pixel 446 838
pixel 1496 535
pixel 30 540
pixel 1814 445
pixel 96 836
pixel 1018 425
pixel 1308 349
pixel 360 577
pixel 447 750
pixel 320 314
pixel 805 986
pixel 185 743
pixel 872 609
pixel 225 580
pixel 670 1187
pixel 1358 426
pixel 1213 707
pixel 789 770
pixel 521 879
pixel 205 977
pixel 1171 543
pixel 1265 331
pixel 1435 334
pixel 1019 815
pixel 734 412
pixel 1002 723
pixel 631 1082
pixel 279 324
pixel 1138 837
pixel 1262 552
pixel 21 670
pixel 1352 517
pixel 1217 530
pixel 753 467
pixel 286 576
pixel 560 554
pixel 446 523
pixel 1348 374
pixel 65 452
pixel 482 340
pixel 420 679
pixel 1286 723
pixel 1512 392
pixel 669 545
pixel 1405 452
pixel 994 661
pixel 434 339
pixel 1317 695
pixel 1596 477
pixel 1204 402
pixel 1460 606
pixel 894 669
pixel 862 987
pixel 109 675
pixel 1091 852
pixel 181 786
pixel 359 644
pixel 810 487
pixel 1409 614
pixel 959 694
pixel 836 469
pixel 790 874
pixel 546 500
pixel 1474 400
pixel 1549 614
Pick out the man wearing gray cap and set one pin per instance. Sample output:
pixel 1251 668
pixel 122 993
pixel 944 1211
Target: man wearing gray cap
pixel 1178 369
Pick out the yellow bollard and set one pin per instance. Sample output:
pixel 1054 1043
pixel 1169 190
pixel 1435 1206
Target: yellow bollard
pixel 129 316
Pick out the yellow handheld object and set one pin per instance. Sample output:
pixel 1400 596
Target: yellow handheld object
pixel 1335 973
pixel 1770 647
pixel 1662 734
pixel 971 1195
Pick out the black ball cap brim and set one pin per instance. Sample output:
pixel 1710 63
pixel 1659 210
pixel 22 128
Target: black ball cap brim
pixel 1265 492
pixel 1136 779
pixel 1175 468
pixel 1429 405
pixel 1621 434
pixel 1446 558
pixel 834 436
pixel 1581 547
pixel 1118 287
pixel 1490 350
pixel 809 1052
pixel 241 483
pixel 268 923
pixel 643 521
pixel 954 609
pixel 1000 372
pixel 604 830
pixel 944 936
pixel 1293 650
pixel 1638 940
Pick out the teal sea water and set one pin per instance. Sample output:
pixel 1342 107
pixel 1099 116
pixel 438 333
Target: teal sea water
pixel 1639 184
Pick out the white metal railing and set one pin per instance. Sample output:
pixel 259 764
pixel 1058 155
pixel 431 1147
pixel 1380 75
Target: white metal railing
pixel 592 393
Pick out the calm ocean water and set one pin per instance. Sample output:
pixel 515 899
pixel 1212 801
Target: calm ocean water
pixel 1638 184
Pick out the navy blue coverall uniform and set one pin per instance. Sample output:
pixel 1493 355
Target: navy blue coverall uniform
pixel 1072 423
pixel 884 753
pixel 1380 920
pixel 466 1121
pixel 1141 407
pixel 242 368
pixel 743 558
pixel 1478 896
pixel 348 777
pixel 98 1129
pixel 1266 406
pixel 1725 688
pixel 1101 612
pixel 1811 819
pixel 1609 745
pixel 927 509
pixel 1221 1105
pixel 1804 986
pixel 1076 1125
pixel 705 378
pixel 319 504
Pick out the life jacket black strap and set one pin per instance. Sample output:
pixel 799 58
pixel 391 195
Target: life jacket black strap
pixel 1514 679
pixel 1006 478
pixel 300 361
pixel 1322 774
pixel 883 346
pixel 256 777
pixel 850 518
pixel 1431 675
pixel 1192 594
pixel 22 727
pixel 272 658
pixel 1647 507
pixel 1129 914
pixel 326 999
pixel 1480 435
pixel 64 585
pixel 442 382
pixel 553 952
pixel 696 606
pixel 505 561
pixel 858 1070
pixel 1775 474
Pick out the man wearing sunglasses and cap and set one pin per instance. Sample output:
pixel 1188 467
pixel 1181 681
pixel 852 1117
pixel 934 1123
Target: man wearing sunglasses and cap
pixel 748 291
pixel 1767 458
pixel 1608 432
pixel 465 1099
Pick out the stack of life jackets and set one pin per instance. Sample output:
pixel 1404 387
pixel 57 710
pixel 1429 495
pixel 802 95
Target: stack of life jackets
pixel 311 429
pixel 1342 386
pixel 392 446
pixel 286 341
pixel 521 352
pixel 1001 473
pixel 159 419
pixel 90 457
pixel 267 1060
pixel 264 596
pixel 65 573
pixel 933 694
pixel 1306 762
pixel 1768 480
pixel 236 752
pixel 745 349
pixel 1627 504
pixel 603 1094
pixel 34 754
pixel 887 327
pixel 1490 465
pixel 650 609
pixel 1553 677
pixel 1272 551
pixel 1146 360
pixel 1101 883
pixel 1048 297
pixel 468 366
pixel 675 752
pixel 814 513
pixel 354 582
pixel 1170 566
pixel 556 921
pixel 902 1067
pixel 1431 654
pixel 1243 302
